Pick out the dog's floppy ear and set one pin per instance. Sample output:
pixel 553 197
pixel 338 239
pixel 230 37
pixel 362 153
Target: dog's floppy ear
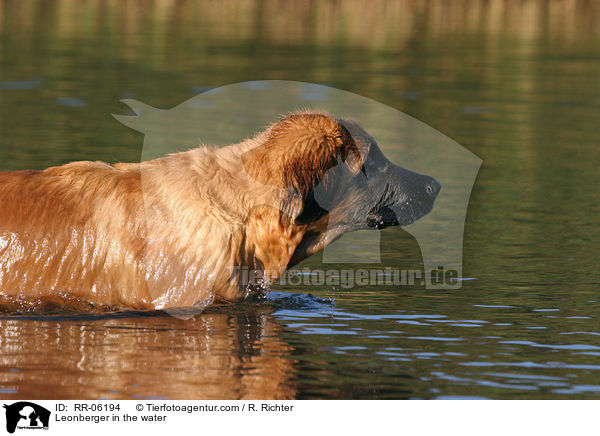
pixel 299 150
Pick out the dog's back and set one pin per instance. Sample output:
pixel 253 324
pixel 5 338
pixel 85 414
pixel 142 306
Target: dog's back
pixel 63 228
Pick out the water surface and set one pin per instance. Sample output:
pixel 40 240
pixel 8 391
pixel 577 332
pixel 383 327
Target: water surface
pixel 518 84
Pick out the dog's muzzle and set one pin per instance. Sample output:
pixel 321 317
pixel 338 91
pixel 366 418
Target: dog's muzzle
pixel 413 207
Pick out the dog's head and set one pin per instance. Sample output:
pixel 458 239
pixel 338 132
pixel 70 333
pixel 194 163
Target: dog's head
pixel 337 179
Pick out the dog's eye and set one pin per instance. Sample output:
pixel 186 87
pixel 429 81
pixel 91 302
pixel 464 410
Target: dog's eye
pixel 364 171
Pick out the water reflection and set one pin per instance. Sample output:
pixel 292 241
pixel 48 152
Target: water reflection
pixel 215 356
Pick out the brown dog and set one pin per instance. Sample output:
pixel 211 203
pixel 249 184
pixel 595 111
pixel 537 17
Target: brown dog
pixel 176 231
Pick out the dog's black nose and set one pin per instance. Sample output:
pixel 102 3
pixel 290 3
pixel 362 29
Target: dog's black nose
pixel 433 188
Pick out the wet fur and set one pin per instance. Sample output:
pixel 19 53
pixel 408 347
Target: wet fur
pixel 170 232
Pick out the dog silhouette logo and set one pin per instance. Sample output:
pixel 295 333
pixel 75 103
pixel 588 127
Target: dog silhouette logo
pixel 221 116
pixel 26 415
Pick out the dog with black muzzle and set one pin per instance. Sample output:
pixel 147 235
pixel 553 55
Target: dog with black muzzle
pixel 176 231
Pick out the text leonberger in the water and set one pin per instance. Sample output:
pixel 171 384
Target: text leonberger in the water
pixel 173 231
